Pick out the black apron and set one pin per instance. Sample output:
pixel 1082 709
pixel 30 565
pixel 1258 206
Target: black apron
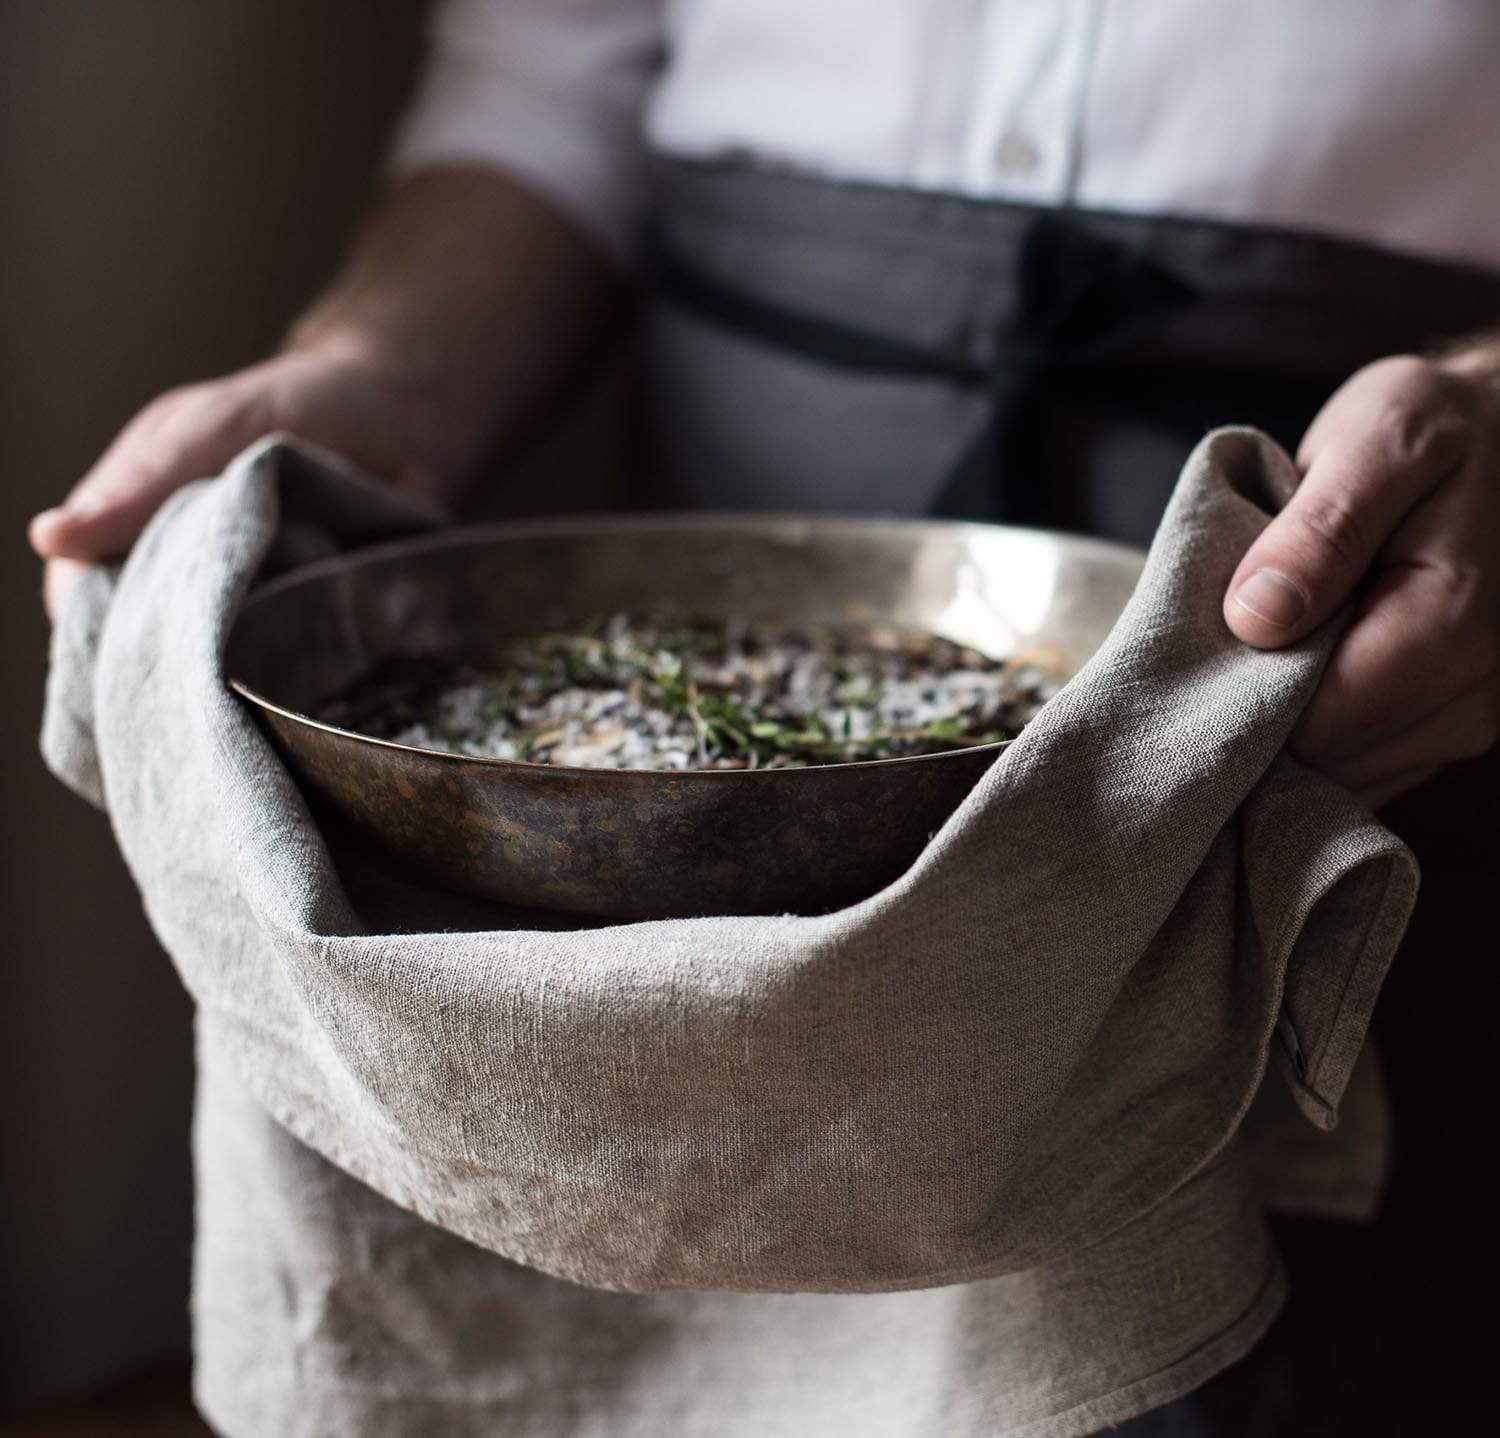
pixel 819 346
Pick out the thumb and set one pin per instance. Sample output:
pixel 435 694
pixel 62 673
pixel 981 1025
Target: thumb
pixel 1304 566
pixel 1358 488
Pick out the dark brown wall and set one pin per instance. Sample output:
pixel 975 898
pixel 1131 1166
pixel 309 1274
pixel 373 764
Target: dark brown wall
pixel 176 177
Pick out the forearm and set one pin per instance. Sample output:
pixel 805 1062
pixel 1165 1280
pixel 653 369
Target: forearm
pixel 474 299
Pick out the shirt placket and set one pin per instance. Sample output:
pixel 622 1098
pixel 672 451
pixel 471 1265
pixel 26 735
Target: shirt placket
pixel 1022 137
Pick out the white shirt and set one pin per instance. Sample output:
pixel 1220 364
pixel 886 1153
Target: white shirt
pixel 1373 119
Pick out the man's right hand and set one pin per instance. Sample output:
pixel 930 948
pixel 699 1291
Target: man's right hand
pixel 335 401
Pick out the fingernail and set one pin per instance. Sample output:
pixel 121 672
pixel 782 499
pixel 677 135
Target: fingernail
pixel 1274 597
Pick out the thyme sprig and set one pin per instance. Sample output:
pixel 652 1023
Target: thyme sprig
pixel 624 692
pixel 727 726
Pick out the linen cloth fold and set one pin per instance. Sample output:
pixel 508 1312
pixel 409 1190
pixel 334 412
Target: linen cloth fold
pixel 1023 1068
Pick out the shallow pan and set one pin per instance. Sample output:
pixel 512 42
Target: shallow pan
pixel 632 843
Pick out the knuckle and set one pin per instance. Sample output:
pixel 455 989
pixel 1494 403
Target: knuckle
pixel 185 400
pixel 1404 371
pixel 173 399
pixel 1464 619
pixel 1423 424
pixel 1462 584
pixel 1333 526
pixel 160 414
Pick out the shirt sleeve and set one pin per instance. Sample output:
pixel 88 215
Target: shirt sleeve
pixel 550 91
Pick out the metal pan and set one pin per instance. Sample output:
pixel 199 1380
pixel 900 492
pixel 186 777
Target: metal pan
pixel 631 843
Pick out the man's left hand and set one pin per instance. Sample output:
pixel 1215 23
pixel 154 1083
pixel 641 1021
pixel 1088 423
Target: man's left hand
pixel 1399 509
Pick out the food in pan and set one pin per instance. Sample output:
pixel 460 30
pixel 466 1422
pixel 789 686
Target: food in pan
pixel 632 692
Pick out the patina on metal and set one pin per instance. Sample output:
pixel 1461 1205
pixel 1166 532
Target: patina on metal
pixel 630 843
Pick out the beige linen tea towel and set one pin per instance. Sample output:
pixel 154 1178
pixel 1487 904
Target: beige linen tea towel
pixel 1029 1055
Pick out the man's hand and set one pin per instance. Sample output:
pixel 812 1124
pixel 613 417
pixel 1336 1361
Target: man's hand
pixel 1399 508
pixel 335 400
pixel 466 304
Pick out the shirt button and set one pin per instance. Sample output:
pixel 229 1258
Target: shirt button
pixel 1017 154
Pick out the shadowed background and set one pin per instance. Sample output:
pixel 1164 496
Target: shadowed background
pixel 176 178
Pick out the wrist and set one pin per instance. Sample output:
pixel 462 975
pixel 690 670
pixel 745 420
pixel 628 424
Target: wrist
pixel 355 332
pixel 471 303
pixel 366 345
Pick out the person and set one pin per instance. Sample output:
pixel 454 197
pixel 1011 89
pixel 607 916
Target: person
pixel 484 277
pixel 1004 261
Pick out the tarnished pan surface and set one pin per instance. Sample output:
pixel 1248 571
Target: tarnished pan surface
pixel 634 844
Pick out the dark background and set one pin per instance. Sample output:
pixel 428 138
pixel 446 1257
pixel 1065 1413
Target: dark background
pixel 176 178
